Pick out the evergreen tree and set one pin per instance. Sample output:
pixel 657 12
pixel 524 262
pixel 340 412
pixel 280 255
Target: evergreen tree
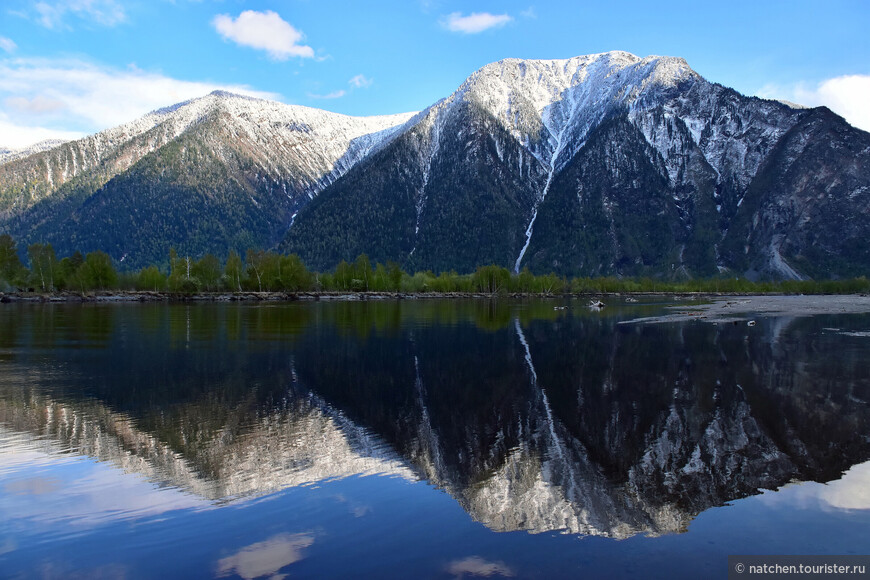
pixel 10 264
pixel 72 272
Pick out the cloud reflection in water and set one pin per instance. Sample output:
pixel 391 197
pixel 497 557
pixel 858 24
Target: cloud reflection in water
pixel 265 558
pixel 477 566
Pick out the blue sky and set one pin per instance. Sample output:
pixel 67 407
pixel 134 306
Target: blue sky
pixel 72 67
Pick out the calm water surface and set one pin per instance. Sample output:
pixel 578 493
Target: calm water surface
pixel 433 439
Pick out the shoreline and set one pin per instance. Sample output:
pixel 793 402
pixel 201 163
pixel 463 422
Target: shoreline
pixel 742 308
pixel 152 296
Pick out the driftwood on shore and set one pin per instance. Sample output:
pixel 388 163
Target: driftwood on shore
pixel 150 296
pixel 108 296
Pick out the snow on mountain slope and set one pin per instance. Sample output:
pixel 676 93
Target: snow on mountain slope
pixel 7 154
pixel 550 106
pixel 316 146
pixel 577 93
pixel 301 445
pixel 462 182
pixel 311 146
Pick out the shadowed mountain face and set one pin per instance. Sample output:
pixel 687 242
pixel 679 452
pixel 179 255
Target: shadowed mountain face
pixel 532 419
pixel 209 175
pixel 606 164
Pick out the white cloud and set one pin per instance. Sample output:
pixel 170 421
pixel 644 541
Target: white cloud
pixel 78 498
pixel 35 106
pixel 263 31
pixel 45 99
pixel 848 96
pixel 332 95
pixel 360 82
pixel 850 492
pixel 265 558
pixel 17 136
pixel 477 566
pixel 105 12
pixel 7 44
pixel 475 22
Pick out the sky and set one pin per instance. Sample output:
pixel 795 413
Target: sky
pixel 74 67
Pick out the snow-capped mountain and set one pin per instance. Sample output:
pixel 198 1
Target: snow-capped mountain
pixel 596 165
pixel 606 164
pixel 9 154
pixel 234 166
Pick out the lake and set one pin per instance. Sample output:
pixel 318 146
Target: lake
pixel 426 439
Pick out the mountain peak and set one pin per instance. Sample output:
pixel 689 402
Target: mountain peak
pixel 545 81
pixel 638 166
pixel 230 95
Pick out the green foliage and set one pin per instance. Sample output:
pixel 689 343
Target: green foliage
pixel 233 272
pixel 179 270
pixel 10 265
pixel 276 272
pixel 98 271
pixel 151 278
pixel 184 194
pixel 188 286
pixel 419 282
pixel 208 272
pixel 293 276
pixel 343 276
pixel 43 266
pixel 273 272
pixel 362 273
pixel 394 275
pixel 491 279
pixel 71 272
pixel 255 262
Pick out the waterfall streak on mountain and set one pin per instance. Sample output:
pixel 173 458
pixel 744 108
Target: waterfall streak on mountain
pixel 560 144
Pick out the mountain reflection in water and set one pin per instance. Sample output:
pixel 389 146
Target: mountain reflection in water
pixel 531 418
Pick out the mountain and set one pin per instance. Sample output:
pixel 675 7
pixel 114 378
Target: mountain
pixel 606 164
pixel 8 154
pixel 208 175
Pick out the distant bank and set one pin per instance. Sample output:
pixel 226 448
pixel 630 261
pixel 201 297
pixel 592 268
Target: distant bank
pixel 749 298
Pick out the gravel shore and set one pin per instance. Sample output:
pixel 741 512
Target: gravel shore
pixel 729 309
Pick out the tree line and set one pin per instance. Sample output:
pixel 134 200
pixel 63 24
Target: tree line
pixel 269 271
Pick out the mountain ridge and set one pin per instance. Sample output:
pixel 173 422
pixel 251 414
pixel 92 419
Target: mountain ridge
pixel 478 177
pixel 705 140
pixel 271 146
